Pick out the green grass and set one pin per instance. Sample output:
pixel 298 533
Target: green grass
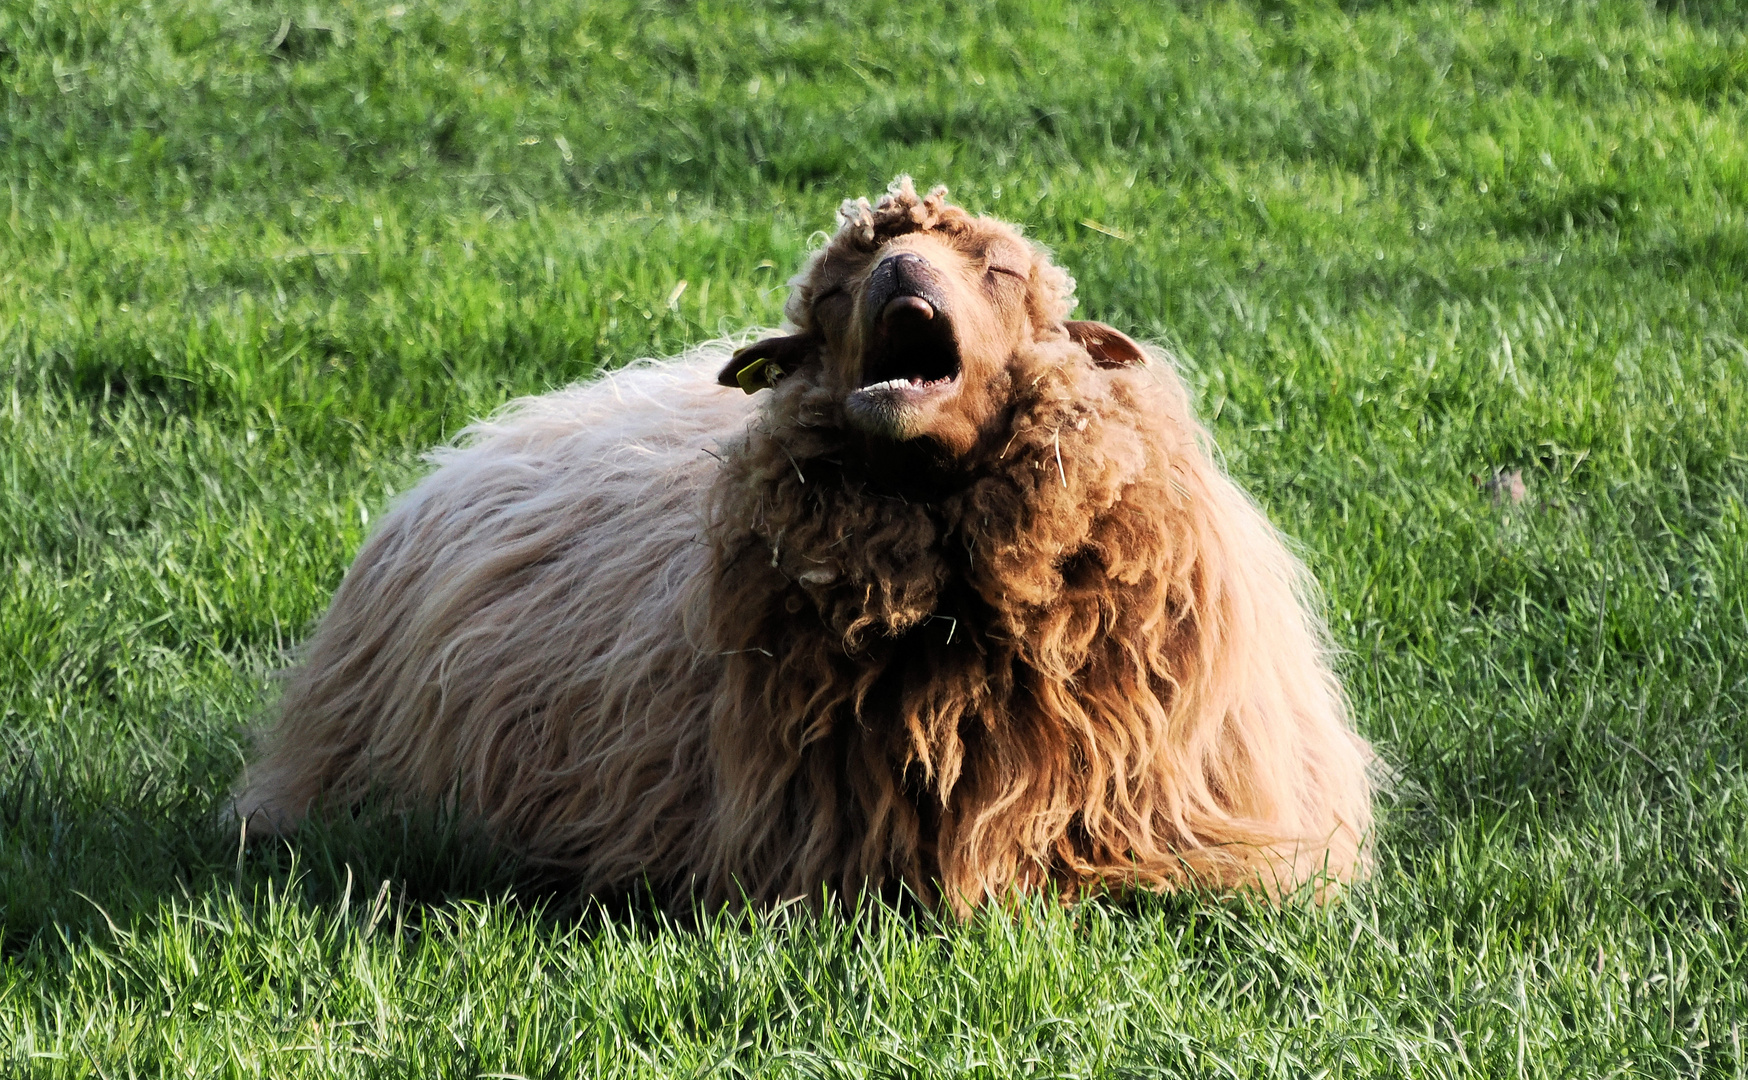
pixel 1398 246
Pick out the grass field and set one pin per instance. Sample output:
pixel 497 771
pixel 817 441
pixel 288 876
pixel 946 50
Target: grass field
pixel 256 257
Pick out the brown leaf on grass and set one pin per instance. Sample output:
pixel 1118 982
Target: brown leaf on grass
pixel 1504 486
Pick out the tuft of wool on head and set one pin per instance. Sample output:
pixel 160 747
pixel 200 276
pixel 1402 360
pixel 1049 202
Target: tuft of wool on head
pixel 899 211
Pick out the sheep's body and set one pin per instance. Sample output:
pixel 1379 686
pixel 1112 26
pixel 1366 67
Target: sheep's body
pixel 963 604
pixel 531 632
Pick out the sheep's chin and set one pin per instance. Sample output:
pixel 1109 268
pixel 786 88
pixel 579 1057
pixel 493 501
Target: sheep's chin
pixel 898 409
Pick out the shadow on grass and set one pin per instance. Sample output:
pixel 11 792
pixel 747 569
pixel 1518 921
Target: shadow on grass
pixel 74 859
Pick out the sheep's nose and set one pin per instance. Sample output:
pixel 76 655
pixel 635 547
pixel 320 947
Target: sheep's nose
pixel 904 286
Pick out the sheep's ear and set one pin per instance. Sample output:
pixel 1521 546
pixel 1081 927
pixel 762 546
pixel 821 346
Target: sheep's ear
pixel 1108 346
pixel 762 363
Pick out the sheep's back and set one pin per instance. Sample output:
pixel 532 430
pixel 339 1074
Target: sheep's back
pixel 515 636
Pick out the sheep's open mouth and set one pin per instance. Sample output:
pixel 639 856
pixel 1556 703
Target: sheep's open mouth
pixel 914 352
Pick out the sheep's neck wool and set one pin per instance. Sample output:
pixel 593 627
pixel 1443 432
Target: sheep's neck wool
pixel 999 685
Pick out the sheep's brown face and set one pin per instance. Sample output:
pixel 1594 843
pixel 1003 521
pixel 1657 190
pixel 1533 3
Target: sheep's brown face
pixel 918 328
pixel 918 334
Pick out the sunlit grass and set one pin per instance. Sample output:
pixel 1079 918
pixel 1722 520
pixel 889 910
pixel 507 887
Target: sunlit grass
pixel 255 259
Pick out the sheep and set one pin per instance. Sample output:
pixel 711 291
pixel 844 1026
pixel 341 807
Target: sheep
pixel 939 590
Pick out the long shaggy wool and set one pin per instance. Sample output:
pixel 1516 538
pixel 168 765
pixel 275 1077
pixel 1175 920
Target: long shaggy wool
pixel 652 629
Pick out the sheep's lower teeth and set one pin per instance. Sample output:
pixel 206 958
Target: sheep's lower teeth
pixel 895 384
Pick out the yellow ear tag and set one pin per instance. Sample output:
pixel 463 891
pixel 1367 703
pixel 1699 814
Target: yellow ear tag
pixel 758 375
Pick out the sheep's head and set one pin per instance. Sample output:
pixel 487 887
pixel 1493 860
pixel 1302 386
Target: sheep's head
pixel 917 317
